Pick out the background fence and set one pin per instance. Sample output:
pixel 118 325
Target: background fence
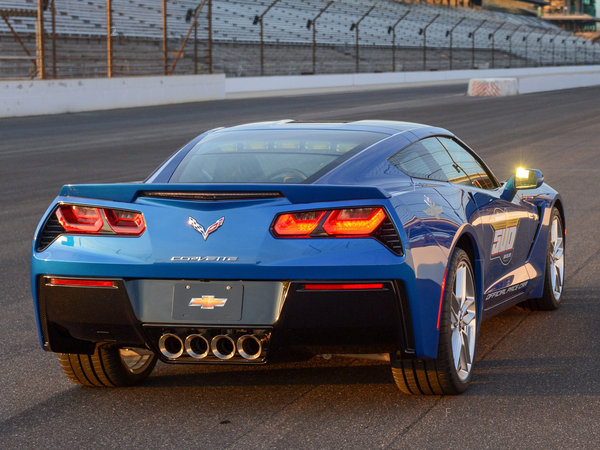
pixel 98 38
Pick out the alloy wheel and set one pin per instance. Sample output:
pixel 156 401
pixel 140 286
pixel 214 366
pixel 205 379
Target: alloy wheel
pixel 463 321
pixel 557 258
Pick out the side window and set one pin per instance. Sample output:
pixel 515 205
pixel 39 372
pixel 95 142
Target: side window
pixel 430 160
pixel 477 174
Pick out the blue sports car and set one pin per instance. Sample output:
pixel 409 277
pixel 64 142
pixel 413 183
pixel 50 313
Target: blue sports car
pixel 284 240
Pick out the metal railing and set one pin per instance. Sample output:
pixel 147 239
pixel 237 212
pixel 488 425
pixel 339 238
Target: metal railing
pixel 421 39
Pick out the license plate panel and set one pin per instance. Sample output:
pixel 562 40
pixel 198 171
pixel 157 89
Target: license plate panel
pixel 208 301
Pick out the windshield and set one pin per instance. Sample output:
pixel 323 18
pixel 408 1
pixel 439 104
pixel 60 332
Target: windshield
pixel 270 156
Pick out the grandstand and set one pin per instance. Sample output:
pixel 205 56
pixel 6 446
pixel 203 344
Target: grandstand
pixel 480 38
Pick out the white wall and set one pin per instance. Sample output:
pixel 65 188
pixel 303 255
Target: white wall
pixel 558 81
pixel 252 86
pixel 40 97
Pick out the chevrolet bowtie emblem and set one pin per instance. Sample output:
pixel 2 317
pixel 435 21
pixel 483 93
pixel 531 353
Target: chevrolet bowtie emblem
pixel 208 302
pixel 200 229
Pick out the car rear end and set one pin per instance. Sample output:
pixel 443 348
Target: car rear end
pixel 231 252
pixel 221 274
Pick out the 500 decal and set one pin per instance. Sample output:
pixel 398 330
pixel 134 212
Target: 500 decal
pixel 503 243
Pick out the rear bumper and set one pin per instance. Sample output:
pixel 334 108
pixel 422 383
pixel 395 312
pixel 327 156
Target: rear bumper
pixel 137 312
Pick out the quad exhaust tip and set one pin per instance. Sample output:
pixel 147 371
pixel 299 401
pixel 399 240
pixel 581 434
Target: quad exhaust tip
pixel 197 346
pixel 223 346
pixel 170 345
pixel 250 346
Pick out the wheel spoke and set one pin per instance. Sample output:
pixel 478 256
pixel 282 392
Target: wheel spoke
pixel 454 310
pixel 558 251
pixel 456 347
pixel 468 318
pixel 554 232
pixel 469 301
pixel 557 280
pixel 560 268
pixel 467 347
pixel 461 284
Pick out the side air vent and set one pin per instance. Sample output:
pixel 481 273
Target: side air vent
pixel 50 231
pixel 387 234
pixel 211 196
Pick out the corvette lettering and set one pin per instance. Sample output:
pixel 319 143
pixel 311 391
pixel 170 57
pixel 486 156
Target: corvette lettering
pixel 503 243
pixel 205 258
pixel 208 302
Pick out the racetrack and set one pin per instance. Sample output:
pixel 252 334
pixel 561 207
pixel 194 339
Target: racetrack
pixel 536 380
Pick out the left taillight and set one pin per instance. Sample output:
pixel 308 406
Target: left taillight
pixel 94 220
pixel 80 219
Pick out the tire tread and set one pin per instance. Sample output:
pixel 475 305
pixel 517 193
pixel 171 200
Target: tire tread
pixel 103 368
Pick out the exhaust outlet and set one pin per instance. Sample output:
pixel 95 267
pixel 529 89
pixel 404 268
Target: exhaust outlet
pixel 250 346
pixel 197 346
pixel 170 345
pixel 223 346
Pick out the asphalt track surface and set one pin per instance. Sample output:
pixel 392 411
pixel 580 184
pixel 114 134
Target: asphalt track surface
pixel 536 380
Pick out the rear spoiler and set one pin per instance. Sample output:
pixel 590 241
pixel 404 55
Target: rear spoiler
pixel 295 193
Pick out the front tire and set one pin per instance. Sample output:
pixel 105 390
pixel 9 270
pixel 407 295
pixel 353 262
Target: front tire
pixel 108 366
pixel 451 371
pixel 555 267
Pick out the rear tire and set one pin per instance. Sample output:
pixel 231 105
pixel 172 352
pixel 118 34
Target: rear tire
pixel 555 267
pixel 451 371
pixel 108 366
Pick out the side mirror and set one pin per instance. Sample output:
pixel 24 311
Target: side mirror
pixel 522 179
pixel 528 178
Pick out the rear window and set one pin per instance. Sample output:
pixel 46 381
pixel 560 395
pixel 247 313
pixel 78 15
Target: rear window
pixel 270 156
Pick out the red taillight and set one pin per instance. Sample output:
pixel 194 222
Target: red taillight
pixel 78 282
pixel 81 219
pixel 347 222
pixel 342 286
pixel 353 222
pixel 125 222
pixel 298 224
pixel 92 220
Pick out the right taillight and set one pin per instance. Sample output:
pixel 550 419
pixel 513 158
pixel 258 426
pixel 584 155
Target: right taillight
pixel 371 221
pixel 353 222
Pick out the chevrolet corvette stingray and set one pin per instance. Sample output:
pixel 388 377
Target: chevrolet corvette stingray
pixel 283 240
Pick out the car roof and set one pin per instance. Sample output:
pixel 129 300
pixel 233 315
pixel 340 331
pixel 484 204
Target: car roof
pixel 388 127
pixel 394 136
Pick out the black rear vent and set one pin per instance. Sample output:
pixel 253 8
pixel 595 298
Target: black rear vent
pixel 50 231
pixel 387 234
pixel 211 196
